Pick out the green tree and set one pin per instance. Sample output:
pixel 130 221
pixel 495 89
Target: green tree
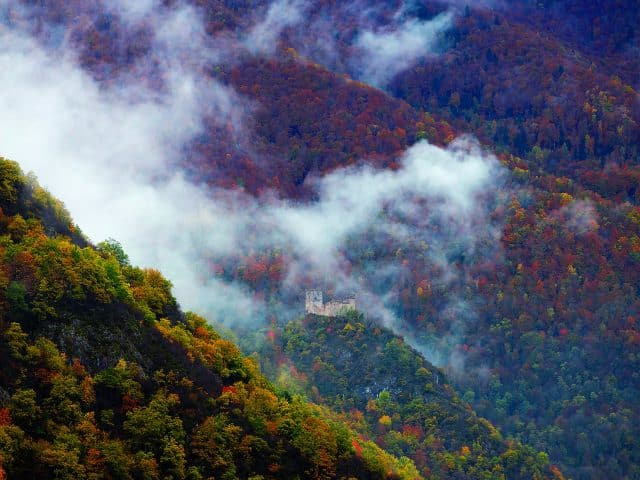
pixel 153 427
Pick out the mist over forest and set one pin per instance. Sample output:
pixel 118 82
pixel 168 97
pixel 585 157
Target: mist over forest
pixel 468 170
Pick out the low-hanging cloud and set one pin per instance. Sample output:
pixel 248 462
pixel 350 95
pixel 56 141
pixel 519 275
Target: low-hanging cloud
pixel 111 154
pixel 352 199
pixel 135 11
pixel 389 51
pixel 369 41
pixel 580 216
pixel 263 36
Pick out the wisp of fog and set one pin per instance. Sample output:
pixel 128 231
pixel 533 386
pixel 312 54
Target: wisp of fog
pixel 110 153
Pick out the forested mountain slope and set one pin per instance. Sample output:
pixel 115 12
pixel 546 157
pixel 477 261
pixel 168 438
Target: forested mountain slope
pixel 390 394
pixel 102 376
pixel 531 305
pixel 525 90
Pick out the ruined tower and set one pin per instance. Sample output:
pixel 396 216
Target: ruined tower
pixel 314 302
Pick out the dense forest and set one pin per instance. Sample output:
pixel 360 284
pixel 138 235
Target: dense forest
pixel 388 392
pixel 498 340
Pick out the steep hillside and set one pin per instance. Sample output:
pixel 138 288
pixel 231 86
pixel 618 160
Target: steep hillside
pixel 101 375
pixel 390 394
pixel 561 107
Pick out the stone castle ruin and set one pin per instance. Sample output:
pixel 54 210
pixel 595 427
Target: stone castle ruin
pixel 314 304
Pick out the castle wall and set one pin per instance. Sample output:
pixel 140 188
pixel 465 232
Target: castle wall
pixel 334 308
pixel 314 304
